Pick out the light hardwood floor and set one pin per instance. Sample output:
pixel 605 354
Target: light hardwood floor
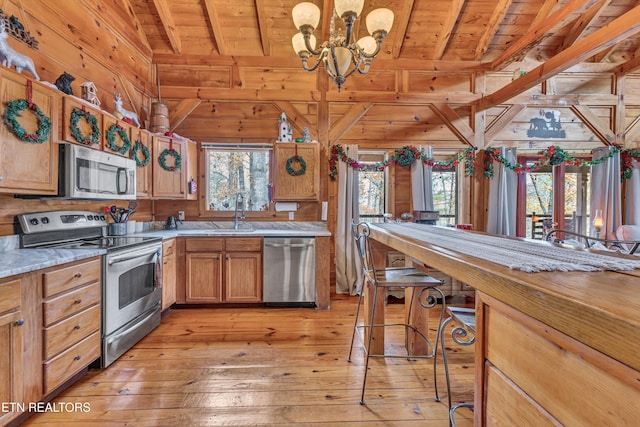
pixel 264 366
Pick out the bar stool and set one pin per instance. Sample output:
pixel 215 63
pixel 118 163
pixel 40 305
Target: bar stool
pixel 463 334
pixel 393 278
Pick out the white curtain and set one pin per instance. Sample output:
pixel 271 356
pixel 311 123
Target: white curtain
pixel 632 197
pixel 347 271
pixel 422 182
pixel 503 191
pixel 605 191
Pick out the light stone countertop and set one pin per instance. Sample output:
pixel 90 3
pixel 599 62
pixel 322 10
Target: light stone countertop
pixel 17 261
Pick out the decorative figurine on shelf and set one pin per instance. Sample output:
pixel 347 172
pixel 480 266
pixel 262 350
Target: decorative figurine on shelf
pixel 90 93
pixel 306 136
pixel 11 57
pixel 284 130
pixel 63 83
pixel 126 114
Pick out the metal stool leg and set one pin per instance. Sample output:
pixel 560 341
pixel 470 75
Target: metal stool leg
pixel 371 324
pixel 355 324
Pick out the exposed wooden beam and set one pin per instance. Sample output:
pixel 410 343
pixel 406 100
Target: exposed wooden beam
pixel 262 26
pixel 296 118
pixel 606 53
pixel 547 9
pixel 501 122
pixel 459 126
pixel 622 27
pixel 447 27
pixel 326 14
pixel 216 29
pixel 499 12
pixel 628 67
pixel 348 120
pixel 632 130
pixel 136 24
pixel 164 12
pixel 181 111
pixel 400 28
pixel 581 24
pixel 594 123
pixel 546 28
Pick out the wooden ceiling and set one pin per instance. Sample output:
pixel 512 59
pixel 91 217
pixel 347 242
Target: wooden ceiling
pixel 485 34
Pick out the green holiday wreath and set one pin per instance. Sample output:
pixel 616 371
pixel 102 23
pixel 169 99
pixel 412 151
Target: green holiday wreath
pixel 145 151
pixel 162 160
pixel 297 159
pixel 111 139
pixel 14 108
pixel 94 137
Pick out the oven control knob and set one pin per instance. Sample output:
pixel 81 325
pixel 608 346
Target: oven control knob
pixel 90 217
pixel 34 221
pixel 101 217
pixel 45 220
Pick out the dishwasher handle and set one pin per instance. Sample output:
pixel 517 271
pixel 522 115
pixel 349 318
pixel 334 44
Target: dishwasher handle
pixel 288 245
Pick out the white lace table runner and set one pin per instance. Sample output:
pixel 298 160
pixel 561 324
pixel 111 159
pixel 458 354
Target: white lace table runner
pixel 525 255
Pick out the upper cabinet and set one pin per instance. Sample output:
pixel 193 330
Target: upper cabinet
pixel 296 171
pixel 28 152
pixel 142 152
pixel 81 123
pixel 117 135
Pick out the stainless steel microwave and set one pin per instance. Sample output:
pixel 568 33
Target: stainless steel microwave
pixel 91 174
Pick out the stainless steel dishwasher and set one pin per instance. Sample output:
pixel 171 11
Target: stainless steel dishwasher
pixel 289 276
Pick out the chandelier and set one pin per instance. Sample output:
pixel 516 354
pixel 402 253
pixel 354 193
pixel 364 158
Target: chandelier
pixel 339 52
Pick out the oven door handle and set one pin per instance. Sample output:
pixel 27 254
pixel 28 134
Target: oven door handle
pixel 123 258
pixel 140 322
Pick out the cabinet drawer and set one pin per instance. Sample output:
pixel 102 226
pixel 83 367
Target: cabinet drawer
pixel 168 247
pixel 204 244
pixel 70 277
pixel 244 244
pixel 70 331
pixel 67 364
pixel 9 295
pixel 70 303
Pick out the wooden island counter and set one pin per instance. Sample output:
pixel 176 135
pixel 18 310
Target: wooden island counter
pixel 552 348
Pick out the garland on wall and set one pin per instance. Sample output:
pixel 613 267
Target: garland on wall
pixel 554 156
pixel 404 156
pixel 111 139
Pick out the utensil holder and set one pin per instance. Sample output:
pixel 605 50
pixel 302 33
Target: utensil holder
pixel 118 229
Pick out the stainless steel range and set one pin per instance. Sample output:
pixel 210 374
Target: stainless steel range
pixel 131 272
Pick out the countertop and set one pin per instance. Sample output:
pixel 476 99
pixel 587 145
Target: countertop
pixel 18 261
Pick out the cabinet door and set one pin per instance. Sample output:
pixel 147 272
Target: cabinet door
pixel 168 273
pixel 11 362
pixel 84 120
pixel 168 184
pixel 25 167
pixel 243 277
pixel 120 131
pixel 305 186
pixel 204 277
pixel 144 173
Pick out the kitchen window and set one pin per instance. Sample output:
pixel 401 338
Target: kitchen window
pixel 233 169
pixel 372 188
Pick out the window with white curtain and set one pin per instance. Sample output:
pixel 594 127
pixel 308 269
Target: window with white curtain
pixel 372 187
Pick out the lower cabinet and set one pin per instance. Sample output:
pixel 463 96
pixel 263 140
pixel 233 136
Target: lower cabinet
pixel 220 270
pixel 71 316
pixel 168 273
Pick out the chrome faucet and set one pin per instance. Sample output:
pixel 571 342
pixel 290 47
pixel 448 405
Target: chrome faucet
pixel 239 199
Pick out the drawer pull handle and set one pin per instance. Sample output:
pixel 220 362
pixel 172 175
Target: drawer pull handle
pixel 77 275
pixel 20 322
pixel 77 327
pixel 78 357
pixel 77 301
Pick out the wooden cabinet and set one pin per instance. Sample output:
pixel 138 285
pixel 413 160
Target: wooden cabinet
pixel 169 184
pixel 168 273
pixel 11 361
pixel 81 123
pixel 71 320
pixel 223 269
pixel 120 132
pixel 144 173
pixel 25 167
pixel 296 187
